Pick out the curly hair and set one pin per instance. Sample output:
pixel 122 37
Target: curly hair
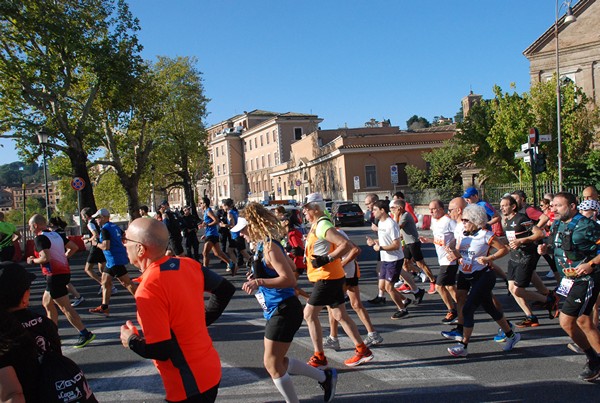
pixel 262 224
pixel 476 214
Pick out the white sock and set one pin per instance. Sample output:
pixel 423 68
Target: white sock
pixel 286 388
pixel 296 367
pixel 380 294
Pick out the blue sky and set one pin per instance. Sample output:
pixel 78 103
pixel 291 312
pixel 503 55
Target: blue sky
pixel 344 60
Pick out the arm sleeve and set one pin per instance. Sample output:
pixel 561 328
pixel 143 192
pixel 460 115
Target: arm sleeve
pixel 105 235
pixel 41 242
pixel 160 351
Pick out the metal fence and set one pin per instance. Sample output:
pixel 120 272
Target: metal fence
pixel 493 193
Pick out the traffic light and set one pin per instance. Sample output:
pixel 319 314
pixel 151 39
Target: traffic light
pixel 540 163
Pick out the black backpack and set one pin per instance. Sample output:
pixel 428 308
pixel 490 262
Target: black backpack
pixel 62 381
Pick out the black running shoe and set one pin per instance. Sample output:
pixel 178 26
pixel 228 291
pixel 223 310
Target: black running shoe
pixel 329 384
pixel 399 314
pixel 591 372
pixel 377 301
pixel 419 296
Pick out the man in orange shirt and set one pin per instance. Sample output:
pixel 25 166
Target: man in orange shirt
pixel 170 306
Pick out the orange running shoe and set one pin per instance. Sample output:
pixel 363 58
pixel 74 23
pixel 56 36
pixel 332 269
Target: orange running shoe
pixel 359 358
pixel 317 362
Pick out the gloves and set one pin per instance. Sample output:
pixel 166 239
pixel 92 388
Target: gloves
pixel 319 261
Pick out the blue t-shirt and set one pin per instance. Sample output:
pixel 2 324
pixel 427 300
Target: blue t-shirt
pixel 235 214
pixel 116 254
pixel 211 230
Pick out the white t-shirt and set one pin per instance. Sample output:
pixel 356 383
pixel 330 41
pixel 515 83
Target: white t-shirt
pixel 388 231
pixel 472 247
pixel 443 234
pixel 349 268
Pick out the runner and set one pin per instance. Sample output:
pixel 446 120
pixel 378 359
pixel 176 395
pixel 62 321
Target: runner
pixel 574 239
pixel 190 233
pixel 442 228
pixel 211 237
pixel 324 247
pixel 272 282
pixel 51 256
pixel 172 222
pixel 170 311
pixel 8 235
pixel 110 242
pixel 96 256
pixel 476 277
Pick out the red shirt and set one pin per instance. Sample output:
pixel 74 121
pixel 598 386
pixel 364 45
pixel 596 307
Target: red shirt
pixel 170 305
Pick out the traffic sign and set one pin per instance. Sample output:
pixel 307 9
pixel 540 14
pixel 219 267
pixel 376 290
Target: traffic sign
pixel 394 173
pixel 527 159
pixel 521 154
pixel 298 182
pixel 77 183
pixel 356 182
pixel 533 136
pixel 545 138
pixel 525 147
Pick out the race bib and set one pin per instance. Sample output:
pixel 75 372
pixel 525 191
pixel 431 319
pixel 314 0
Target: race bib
pixel 564 287
pixel 511 236
pixel 467 265
pixel 438 240
pixel 260 297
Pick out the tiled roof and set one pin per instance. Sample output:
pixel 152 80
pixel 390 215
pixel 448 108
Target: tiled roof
pixel 432 129
pixel 398 144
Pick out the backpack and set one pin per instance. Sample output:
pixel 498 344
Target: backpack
pixel 62 381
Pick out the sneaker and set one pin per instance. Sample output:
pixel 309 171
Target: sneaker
pixel 590 372
pixel 317 362
pixel 453 334
pixel 451 316
pixel 114 290
pixel 511 341
pixel 231 268
pixel 99 311
pixel 77 301
pixel 550 274
pixel 419 296
pixel 431 290
pixel 458 351
pixel 423 277
pixel 400 313
pixel 500 337
pixel 574 348
pixel 377 301
pixel 398 284
pixel 330 342
pixel 359 358
pixel 84 340
pixel 530 321
pixel 404 288
pixel 373 339
pixel 328 385
pixel 552 305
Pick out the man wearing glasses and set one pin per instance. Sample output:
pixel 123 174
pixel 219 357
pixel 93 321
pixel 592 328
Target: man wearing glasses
pixel 111 243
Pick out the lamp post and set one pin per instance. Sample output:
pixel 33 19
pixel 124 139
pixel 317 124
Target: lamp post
pixel 24 235
pixel 43 140
pixel 569 18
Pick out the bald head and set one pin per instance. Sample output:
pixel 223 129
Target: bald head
pixel 590 193
pixel 456 208
pixel 153 234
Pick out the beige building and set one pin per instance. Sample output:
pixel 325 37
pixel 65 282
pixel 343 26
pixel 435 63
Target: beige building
pixel 579 50
pixel 343 163
pixel 245 149
pixel 36 191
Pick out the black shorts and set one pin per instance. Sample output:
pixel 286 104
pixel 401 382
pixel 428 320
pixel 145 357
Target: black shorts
pixel 117 270
pixel 447 276
pixel 285 321
pixel 56 285
pixel 520 271
pixel 176 246
pixel 413 251
pixel 328 293
pixel 351 281
pixel 238 243
pixel 96 255
pixel 582 297
pixel 7 253
pixel 390 271
pixel 212 239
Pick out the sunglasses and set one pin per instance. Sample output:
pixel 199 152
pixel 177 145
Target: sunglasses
pixel 464 220
pixel 125 240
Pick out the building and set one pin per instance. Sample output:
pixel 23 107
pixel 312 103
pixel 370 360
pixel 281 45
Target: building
pixel 579 50
pixel 245 149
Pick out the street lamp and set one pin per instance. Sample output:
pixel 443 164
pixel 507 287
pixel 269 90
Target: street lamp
pixel 569 18
pixel 43 140
pixel 24 235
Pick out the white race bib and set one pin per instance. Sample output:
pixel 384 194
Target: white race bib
pixel 260 297
pixel 511 236
pixel 565 286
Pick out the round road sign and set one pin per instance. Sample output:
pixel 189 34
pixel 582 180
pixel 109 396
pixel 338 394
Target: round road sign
pixel 77 183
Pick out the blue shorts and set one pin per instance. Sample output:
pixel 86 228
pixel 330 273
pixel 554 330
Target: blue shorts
pixel 390 271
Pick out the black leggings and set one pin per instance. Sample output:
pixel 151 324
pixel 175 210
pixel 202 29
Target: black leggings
pixel 481 284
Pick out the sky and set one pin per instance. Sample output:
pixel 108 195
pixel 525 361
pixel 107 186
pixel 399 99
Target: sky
pixel 345 60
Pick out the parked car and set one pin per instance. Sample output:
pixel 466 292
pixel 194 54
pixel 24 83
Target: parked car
pixel 348 214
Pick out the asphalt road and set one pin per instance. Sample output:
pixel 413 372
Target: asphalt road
pixel 411 364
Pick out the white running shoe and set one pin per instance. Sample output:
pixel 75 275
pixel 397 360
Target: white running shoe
pixel 373 339
pixel 458 351
pixel 511 341
pixel 77 301
pixel 330 342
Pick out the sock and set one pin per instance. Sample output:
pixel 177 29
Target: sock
pixel 296 367
pixel 591 355
pixel 459 327
pixel 333 338
pixel 464 344
pixel 320 355
pixel 285 386
pixel 84 332
pixel 372 333
pixel 361 347
pixel 509 334
pixel 380 294
pixel 104 306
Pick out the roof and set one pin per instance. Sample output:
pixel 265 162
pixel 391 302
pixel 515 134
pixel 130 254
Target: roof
pixel 397 144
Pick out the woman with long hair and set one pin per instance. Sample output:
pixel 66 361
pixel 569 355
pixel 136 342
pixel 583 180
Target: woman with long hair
pixel 272 281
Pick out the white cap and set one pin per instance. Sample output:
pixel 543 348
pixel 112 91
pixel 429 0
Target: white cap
pixel 314 198
pixel 102 212
pixel 241 224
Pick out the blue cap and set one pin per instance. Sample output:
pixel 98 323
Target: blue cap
pixel 470 192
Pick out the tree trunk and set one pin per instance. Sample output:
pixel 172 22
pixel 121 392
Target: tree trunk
pixel 79 159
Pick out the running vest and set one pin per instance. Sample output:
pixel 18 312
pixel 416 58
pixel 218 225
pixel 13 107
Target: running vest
pixel 271 297
pixel 57 261
pixel 332 270
pixel 116 254
pixel 211 230
pixel 235 214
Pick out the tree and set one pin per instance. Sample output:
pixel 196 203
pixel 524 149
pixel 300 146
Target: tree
pixel 56 59
pixel 416 122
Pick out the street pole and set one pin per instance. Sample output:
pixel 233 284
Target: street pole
pixel 24 187
pixel 43 139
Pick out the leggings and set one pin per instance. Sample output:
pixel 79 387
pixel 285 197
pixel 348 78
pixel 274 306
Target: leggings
pixel 481 284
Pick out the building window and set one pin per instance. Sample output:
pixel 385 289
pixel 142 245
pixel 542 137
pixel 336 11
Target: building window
pixel 275 136
pixel 218 169
pixel 250 141
pixel 276 158
pixel 371 176
pixel 261 140
pixel 252 165
pixel 245 146
pixel 269 160
pixel 256 161
pixel 255 143
pixel 224 170
pixel 268 138
pixel 297 133
pixel 262 160
pixel 216 151
pixel 223 149
pixel 402 176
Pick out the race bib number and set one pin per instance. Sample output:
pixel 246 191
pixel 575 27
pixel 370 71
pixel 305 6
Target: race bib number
pixel 511 236
pixel 467 265
pixel 438 240
pixel 260 297
pixel 564 287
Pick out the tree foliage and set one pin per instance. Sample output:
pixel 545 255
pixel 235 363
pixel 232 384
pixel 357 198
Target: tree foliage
pixel 416 122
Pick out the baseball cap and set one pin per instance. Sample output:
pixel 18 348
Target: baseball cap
pixel 102 212
pixel 471 191
pixel 241 224
pixel 314 198
pixel 14 281
pixel 589 205
pixel 164 203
